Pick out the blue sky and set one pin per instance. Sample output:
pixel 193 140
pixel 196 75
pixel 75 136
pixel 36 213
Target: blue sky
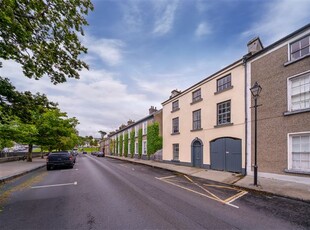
pixel 140 50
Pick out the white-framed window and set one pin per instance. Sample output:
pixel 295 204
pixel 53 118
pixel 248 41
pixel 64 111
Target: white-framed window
pixel 299 152
pixel 175 105
pixel 175 150
pixel 136 148
pixel 299 92
pixel 300 48
pixel 128 148
pixel 144 128
pixel 196 95
pixel 197 119
pixel 223 83
pixel 223 113
pixel 144 148
pixel 175 125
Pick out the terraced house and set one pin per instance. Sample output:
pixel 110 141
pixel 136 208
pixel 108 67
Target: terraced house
pixel 283 140
pixel 125 140
pixel 204 126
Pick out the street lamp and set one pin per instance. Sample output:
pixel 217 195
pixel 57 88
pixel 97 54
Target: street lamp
pixel 255 90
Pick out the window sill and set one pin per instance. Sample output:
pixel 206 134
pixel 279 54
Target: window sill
pixel 194 102
pixel 224 90
pixel 293 61
pixel 296 171
pixel 175 133
pixel 175 110
pixel 223 125
pixel 195 130
pixel 296 112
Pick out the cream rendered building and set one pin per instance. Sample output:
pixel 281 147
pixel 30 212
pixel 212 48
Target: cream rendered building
pixel 204 126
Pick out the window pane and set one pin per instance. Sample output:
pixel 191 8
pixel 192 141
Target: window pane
pixel 294 47
pixel 295 55
pixel 304 51
pixel 304 42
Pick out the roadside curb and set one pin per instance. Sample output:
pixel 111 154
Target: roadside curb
pixel 11 177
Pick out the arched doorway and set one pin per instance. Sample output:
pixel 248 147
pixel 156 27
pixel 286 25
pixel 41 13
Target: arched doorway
pixel 226 154
pixel 197 153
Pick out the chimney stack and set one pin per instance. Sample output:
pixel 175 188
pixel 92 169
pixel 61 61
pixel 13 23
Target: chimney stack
pixel 174 93
pixel 254 45
pixel 152 110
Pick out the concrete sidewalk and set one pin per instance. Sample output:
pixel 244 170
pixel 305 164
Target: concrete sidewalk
pixel 293 190
pixel 12 169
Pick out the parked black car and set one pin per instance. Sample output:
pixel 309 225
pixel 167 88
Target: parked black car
pixel 100 154
pixel 60 159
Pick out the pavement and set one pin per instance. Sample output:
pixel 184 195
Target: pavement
pixel 13 169
pixel 295 190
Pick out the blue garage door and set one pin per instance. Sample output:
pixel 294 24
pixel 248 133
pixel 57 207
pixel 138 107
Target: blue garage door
pixel 226 154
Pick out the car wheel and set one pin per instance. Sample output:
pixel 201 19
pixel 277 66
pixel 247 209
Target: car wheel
pixel 48 168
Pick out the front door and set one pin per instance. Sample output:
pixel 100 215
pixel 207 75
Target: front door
pixel 197 154
pixel 226 154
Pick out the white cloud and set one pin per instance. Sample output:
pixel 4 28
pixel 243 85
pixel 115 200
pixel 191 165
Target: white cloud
pixel 98 100
pixel 279 19
pixel 132 15
pixel 202 29
pixel 165 14
pixel 109 50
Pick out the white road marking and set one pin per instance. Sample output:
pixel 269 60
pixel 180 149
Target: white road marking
pixel 55 185
pixel 162 178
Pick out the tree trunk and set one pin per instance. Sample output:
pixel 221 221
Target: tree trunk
pixel 29 157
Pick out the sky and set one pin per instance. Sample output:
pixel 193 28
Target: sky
pixel 141 50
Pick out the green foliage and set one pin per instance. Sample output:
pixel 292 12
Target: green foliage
pixel 132 143
pixel 43 36
pixel 140 142
pixel 126 145
pixel 56 131
pixel 121 145
pixel 154 141
pixel 89 149
pixel 28 118
pixel 112 147
pixel 116 147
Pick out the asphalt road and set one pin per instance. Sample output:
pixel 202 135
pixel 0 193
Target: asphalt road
pixel 101 193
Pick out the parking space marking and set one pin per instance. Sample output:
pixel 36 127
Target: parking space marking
pixel 235 197
pixel 54 185
pixel 202 188
pixel 228 201
pixel 166 177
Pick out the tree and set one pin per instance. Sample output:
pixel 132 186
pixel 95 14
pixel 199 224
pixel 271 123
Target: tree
pixel 140 142
pixel 126 145
pixel 42 36
pixel 57 131
pixel 154 141
pixel 132 143
pixel 121 145
pixel 21 110
pixel 112 147
pixel 116 147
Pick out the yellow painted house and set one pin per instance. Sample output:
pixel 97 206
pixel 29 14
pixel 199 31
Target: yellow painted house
pixel 204 126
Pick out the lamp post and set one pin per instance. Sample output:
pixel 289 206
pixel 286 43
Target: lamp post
pixel 255 90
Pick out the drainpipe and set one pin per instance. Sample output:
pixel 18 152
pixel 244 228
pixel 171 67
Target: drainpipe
pixel 245 110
